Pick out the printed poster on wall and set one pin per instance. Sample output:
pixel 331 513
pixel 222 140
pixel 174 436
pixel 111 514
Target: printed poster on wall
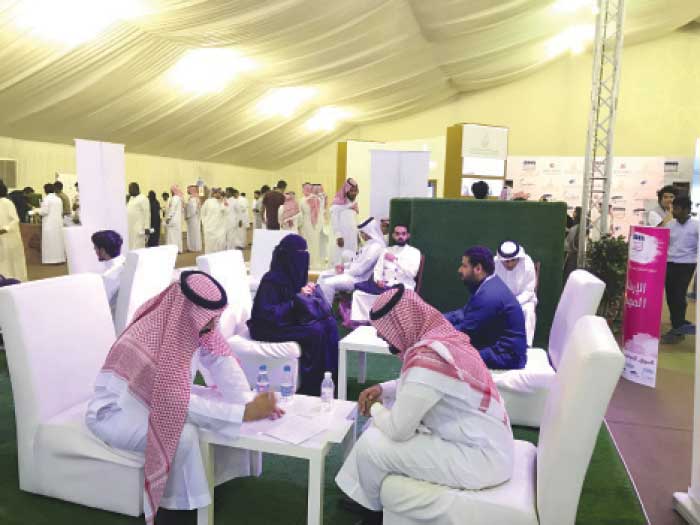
pixel 646 274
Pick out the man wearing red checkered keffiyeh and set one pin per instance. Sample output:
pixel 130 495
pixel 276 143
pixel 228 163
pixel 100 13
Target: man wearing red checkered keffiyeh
pixel 443 421
pixel 144 400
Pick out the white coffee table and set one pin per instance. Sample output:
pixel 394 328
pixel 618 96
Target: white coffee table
pixel 363 339
pixel 343 430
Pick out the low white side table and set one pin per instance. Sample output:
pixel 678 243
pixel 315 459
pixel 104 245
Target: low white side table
pixel 363 339
pixel 343 430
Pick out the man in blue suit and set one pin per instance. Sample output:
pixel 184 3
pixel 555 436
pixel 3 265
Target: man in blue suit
pixel 492 318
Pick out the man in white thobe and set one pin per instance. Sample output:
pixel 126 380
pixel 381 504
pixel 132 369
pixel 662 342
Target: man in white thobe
pixel 214 222
pixel 311 224
pixel 243 220
pixel 232 218
pixel 174 337
pixel 138 214
pixel 12 262
pixel 108 248
pixel 517 271
pixel 442 421
pixel 52 245
pixel 344 277
pixel 257 210
pixel 173 218
pixel 194 222
pixel 398 264
pixel 343 213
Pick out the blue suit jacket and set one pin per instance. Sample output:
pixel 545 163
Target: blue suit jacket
pixel 494 321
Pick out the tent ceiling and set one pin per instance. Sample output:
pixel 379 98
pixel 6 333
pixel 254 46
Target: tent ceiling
pixel 380 59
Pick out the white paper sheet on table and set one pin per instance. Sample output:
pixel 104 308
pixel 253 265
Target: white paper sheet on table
pixel 297 429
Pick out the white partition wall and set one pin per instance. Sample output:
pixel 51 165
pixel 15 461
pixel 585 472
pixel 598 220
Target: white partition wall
pixel 102 181
pixel 396 174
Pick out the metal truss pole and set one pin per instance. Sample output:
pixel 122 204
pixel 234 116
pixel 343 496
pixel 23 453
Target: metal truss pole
pixel 601 121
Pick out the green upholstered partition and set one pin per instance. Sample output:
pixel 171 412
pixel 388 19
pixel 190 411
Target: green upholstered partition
pixel 443 228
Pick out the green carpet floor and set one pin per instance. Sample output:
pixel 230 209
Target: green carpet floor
pixel 279 496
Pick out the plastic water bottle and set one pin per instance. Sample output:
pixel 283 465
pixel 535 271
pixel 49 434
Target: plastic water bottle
pixel 287 385
pixel 263 383
pixel 327 389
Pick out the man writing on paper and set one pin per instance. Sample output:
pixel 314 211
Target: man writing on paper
pixel 492 318
pixel 344 277
pixel 398 264
pixel 447 423
pixel 343 213
pixel 517 271
pixel 144 399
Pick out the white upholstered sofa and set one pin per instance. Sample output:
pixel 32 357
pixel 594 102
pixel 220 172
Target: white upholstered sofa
pixel 525 391
pixel 228 268
pixel 547 479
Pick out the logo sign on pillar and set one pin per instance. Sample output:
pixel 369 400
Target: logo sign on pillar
pixel 646 274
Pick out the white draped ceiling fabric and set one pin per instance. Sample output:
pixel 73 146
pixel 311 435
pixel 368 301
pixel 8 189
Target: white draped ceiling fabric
pixel 376 59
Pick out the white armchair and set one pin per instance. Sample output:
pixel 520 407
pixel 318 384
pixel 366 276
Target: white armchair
pixel 57 335
pixel 547 480
pixel 146 273
pixel 264 242
pixel 229 269
pixel 525 391
pixel 79 250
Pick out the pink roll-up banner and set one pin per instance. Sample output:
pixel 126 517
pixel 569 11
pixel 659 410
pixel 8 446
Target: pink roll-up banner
pixel 646 274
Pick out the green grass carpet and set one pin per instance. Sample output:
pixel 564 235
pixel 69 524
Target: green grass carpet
pixel 279 496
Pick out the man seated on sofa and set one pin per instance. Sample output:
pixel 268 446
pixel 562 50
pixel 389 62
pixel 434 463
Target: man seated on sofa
pixel 493 318
pixel 398 264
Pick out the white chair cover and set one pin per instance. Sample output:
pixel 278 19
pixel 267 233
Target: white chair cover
pixel 228 268
pixel 525 391
pixel 264 242
pixel 80 252
pixel 57 334
pixel 146 273
pixel 544 489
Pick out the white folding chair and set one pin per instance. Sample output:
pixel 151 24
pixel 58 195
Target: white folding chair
pixel 228 268
pixel 146 273
pixel 525 391
pixel 57 335
pixel 547 479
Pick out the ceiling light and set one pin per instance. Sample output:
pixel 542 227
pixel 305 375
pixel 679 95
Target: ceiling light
pixel 208 70
pixel 574 6
pixel 326 118
pixel 285 101
pixel 573 39
pixel 72 22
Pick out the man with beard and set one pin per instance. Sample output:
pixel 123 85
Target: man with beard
pixel 398 264
pixel 493 318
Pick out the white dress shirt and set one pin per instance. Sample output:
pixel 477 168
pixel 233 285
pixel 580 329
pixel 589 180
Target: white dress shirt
pixel 683 247
pixel 401 270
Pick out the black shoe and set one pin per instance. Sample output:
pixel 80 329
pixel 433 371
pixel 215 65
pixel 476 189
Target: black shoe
pixel 351 505
pixel 372 518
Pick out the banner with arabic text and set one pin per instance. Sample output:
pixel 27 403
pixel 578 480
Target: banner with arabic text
pixel 646 274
